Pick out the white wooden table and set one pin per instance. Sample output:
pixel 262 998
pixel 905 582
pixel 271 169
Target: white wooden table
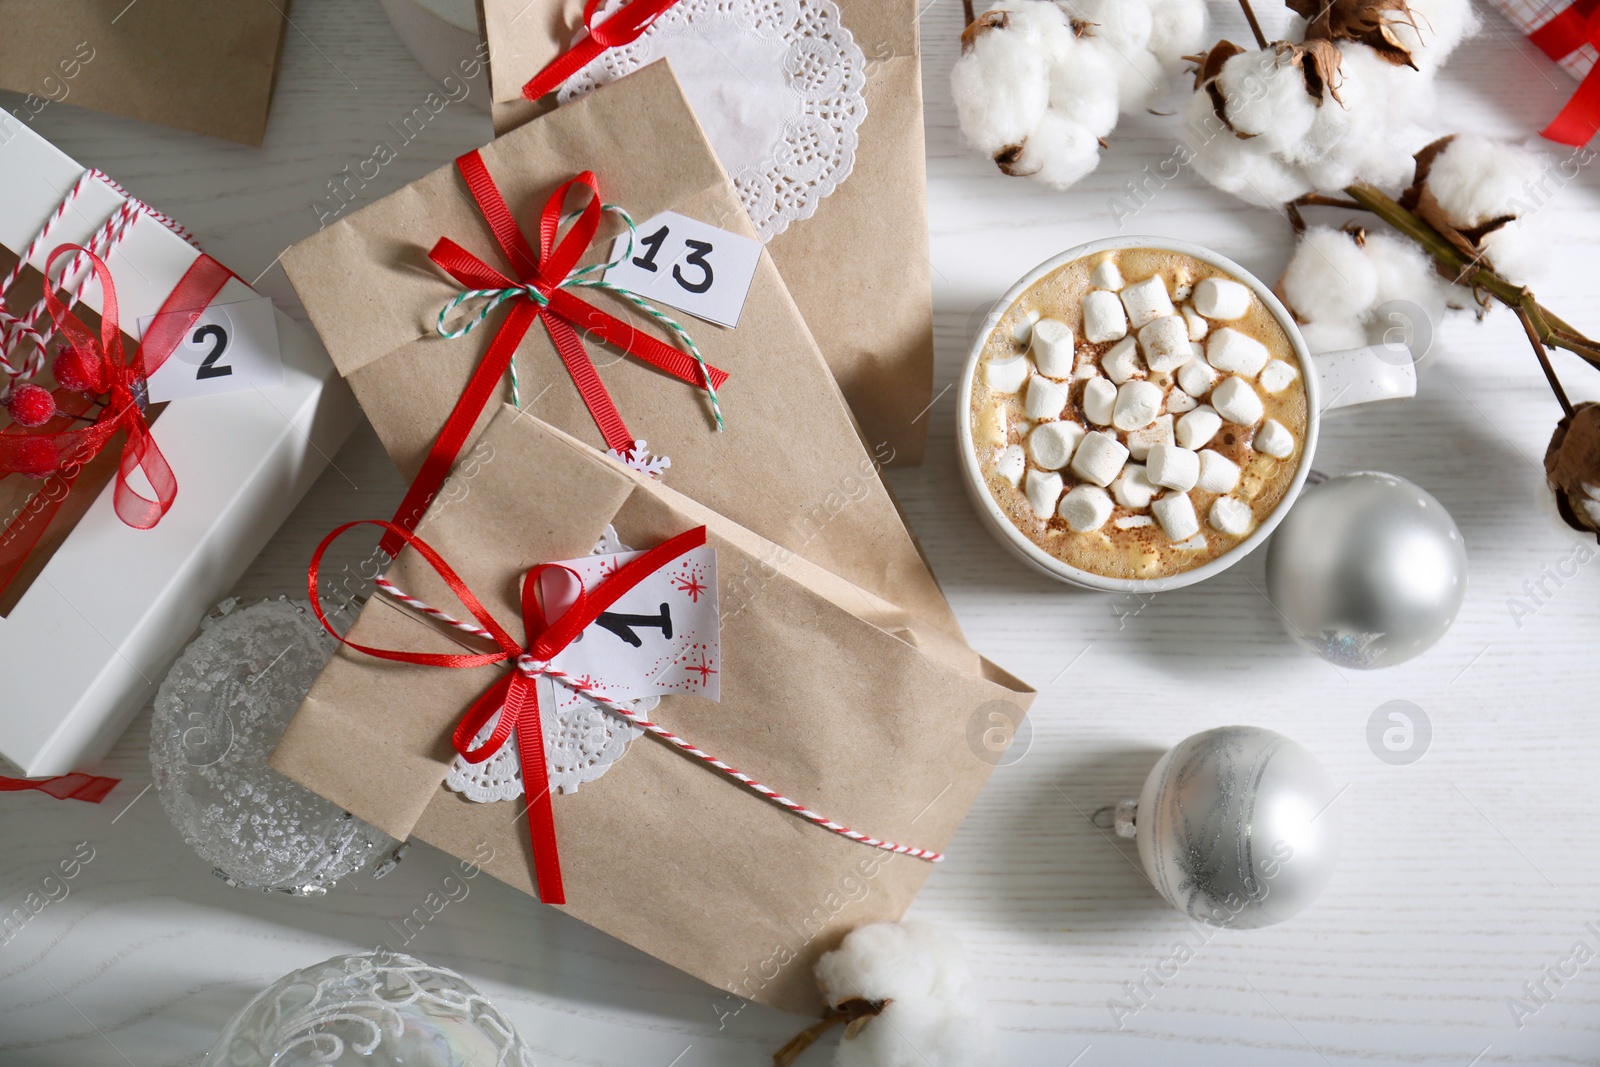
pixel 1464 876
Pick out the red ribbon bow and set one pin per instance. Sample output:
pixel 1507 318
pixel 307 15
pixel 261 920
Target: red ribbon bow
pixel 1569 31
pixel 89 788
pixel 64 452
pixel 517 692
pixel 562 313
pixel 624 26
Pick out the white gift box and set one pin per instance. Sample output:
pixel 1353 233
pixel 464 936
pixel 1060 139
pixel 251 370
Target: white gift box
pixel 91 637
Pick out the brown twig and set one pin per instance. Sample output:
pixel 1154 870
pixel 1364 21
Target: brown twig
pixel 1255 27
pixel 966 9
pixel 1319 200
pixel 1297 220
pixel 1531 328
pixel 852 1014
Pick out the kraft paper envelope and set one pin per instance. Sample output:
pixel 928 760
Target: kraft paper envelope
pixel 830 695
pixel 859 267
pixel 201 65
pixel 791 465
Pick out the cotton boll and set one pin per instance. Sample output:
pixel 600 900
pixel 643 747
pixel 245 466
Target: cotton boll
pixel 1245 168
pixel 1178 29
pixel 1124 24
pixel 1440 26
pixel 1266 97
pixel 1405 272
pixel 1373 130
pixel 1519 249
pixel 1041 23
pixel 1140 77
pixel 1329 277
pixel 921 1035
pixel 894 961
pixel 1083 86
pixel 1476 179
pixel 1058 152
pixel 1333 335
pixel 1001 86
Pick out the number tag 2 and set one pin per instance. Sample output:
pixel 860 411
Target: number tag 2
pixel 229 348
pixel 690 265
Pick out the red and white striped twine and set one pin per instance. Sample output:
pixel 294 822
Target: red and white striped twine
pixel 535 668
pixel 33 326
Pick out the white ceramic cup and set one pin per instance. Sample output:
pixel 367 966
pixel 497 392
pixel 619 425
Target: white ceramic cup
pixel 1331 379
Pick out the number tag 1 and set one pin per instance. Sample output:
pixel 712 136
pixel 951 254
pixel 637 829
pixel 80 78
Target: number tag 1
pixel 690 265
pixel 230 347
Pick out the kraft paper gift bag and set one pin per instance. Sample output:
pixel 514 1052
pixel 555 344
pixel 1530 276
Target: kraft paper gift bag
pixel 858 267
pixel 201 65
pixel 790 464
pixel 829 695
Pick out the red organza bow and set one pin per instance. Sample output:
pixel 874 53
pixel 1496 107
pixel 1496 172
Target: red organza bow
pixel 1569 31
pixel 61 452
pixel 517 692
pixel 542 272
pixel 624 26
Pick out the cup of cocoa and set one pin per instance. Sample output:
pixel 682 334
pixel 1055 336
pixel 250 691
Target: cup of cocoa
pixel 1139 413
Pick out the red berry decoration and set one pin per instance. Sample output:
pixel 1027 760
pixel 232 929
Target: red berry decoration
pixel 31 406
pixel 79 370
pixel 35 457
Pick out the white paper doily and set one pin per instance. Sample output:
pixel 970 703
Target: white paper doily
pixel 581 739
pixel 777 85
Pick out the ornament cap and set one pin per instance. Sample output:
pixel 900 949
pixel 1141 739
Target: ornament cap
pixel 1125 818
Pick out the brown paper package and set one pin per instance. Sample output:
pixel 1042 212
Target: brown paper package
pixel 829 695
pixel 790 466
pixel 201 65
pixel 858 268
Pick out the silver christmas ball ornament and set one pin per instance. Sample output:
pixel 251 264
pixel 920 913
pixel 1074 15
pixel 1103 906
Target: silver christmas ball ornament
pixel 373 1009
pixel 218 715
pixel 1367 570
pixel 1237 827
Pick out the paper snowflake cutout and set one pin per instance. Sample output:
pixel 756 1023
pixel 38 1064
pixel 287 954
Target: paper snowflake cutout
pixel 639 458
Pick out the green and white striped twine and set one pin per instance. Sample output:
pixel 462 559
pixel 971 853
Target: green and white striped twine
pixel 578 279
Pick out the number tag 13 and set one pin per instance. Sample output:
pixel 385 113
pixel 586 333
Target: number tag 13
pixel 229 348
pixel 690 265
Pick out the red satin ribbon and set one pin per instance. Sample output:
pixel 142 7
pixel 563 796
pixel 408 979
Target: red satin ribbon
pixel 626 25
pixel 563 316
pixel 1569 31
pixel 61 452
pixel 74 786
pixel 517 692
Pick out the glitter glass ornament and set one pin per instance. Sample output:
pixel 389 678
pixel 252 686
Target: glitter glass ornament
pixel 1236 826
pixel 375 1009
pixel 218 715
pixel 1367 570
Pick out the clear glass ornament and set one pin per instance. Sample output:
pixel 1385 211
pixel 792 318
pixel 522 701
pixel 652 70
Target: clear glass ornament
pixel 375 1009
pixel 218 715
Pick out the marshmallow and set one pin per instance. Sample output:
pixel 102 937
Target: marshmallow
pixel 1165 343
pixel 1196 429
pixel 1197 325
pixel 1274 439
pixel 1146 301
pixel 1121 361
pixel 1138 404
pixel 1052 348
pixel 1278 376
pixel 1044 487
pixel 1172 467
pixel 1140 442
pixel 1011 464
pixel 1179 402
pixel 1221 298
pixel 1098 459
pixel 1103 319
pixel 1197 543
pixel 1045 399
pixel 1196 377
pixel 1106 275
pixel 1132 488
pixel 1233 352
pixel 1099 401
pixel 1006 375
pixel 1175 513
pixel 1051 444
pixel 1086 508
pixel 1218 473
pixel 1232 517
pixel 1087 371
pixel 1235 400
pixel 1133 522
